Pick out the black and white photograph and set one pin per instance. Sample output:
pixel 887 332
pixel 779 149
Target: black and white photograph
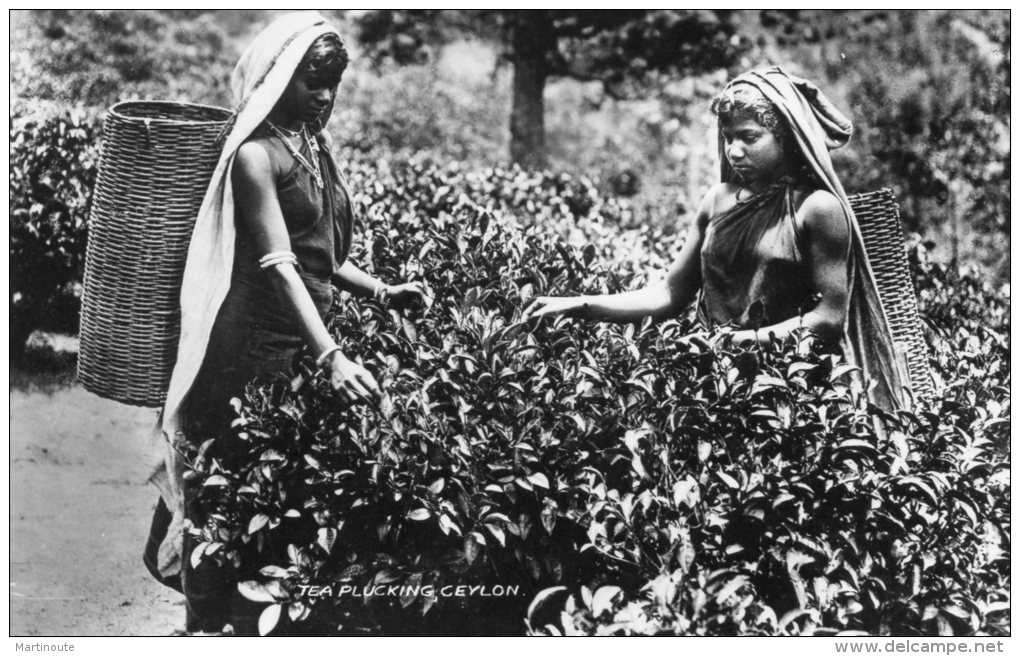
pixel 511 322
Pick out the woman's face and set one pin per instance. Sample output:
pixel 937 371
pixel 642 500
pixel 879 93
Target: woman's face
pixel 752 150
pixel 305 99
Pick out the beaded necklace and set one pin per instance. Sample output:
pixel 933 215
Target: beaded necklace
pixel 313 147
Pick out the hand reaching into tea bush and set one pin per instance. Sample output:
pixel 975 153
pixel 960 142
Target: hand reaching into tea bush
pixel 901 533
pixel 621 479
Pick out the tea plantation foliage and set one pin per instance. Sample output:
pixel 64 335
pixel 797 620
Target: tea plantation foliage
pixel 53 168
pixel 620 479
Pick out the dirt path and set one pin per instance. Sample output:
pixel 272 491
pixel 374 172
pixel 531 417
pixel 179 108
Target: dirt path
pixel 79 515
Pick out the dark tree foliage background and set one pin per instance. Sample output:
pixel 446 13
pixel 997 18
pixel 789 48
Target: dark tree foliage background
pixel 620 96
pixel 930 94
pixel 623 50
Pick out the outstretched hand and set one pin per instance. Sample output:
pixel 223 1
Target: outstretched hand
pixel 352 382
pixel 550 306
pixel 408 293
pixel 706 341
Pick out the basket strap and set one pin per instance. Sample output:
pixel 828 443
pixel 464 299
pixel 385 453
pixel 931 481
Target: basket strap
pixel 221 138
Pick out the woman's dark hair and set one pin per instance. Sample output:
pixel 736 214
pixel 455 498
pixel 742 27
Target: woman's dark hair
pixel 325 61
pixel 745 101
pixel 740 101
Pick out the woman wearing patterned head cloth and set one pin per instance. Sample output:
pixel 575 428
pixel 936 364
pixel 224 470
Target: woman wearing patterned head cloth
pixel 774 246
pixel 273 232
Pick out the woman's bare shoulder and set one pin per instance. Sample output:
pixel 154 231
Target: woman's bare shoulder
pixel 821 213
pixel 254 149
pixel 258 157
pixel 721 197
pixel 821 199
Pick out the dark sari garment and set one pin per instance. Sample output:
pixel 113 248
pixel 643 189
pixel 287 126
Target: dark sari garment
pixel 255 335
pixel 752 267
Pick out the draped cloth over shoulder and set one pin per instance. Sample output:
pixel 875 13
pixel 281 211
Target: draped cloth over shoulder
pixel 818 127
pixel 259 79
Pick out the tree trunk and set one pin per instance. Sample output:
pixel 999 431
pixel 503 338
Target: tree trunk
pixel 531 42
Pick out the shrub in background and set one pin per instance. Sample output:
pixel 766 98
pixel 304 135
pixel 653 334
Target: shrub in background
pixel 53 169
pixel 96 58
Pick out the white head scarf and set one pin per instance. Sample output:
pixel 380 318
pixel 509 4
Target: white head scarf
pixel 259 79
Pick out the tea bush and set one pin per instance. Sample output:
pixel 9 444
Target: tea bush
pixel 903 532
pixel 616 478
pixel 53 167
pixel 620 480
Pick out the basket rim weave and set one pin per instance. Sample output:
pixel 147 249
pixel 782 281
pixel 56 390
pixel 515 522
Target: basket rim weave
pixel 223 114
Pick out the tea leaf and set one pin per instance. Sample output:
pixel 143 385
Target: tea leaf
pixel 269 618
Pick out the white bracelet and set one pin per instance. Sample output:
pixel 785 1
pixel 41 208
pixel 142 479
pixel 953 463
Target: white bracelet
pixel 380 293
pixel 274 254
pixel 273 263
pixel 275 258
pixel 321 360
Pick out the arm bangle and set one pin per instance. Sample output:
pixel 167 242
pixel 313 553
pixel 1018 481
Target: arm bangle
pixel 321 360
pixel 273 263
pixel 277 257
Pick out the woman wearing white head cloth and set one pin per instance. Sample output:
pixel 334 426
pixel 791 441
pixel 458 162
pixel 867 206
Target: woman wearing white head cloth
pixel 273 232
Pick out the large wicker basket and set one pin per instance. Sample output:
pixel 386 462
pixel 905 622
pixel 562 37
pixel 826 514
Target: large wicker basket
pixel 879 217
pixel 157 160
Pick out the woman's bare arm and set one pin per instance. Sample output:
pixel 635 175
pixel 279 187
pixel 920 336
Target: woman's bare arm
pixel 254 182
pixel 663 299
pixel 360 283
pixel 355 281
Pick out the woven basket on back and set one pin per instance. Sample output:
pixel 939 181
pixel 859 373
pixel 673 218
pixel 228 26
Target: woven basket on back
pixel 879 218
pixel 157 160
